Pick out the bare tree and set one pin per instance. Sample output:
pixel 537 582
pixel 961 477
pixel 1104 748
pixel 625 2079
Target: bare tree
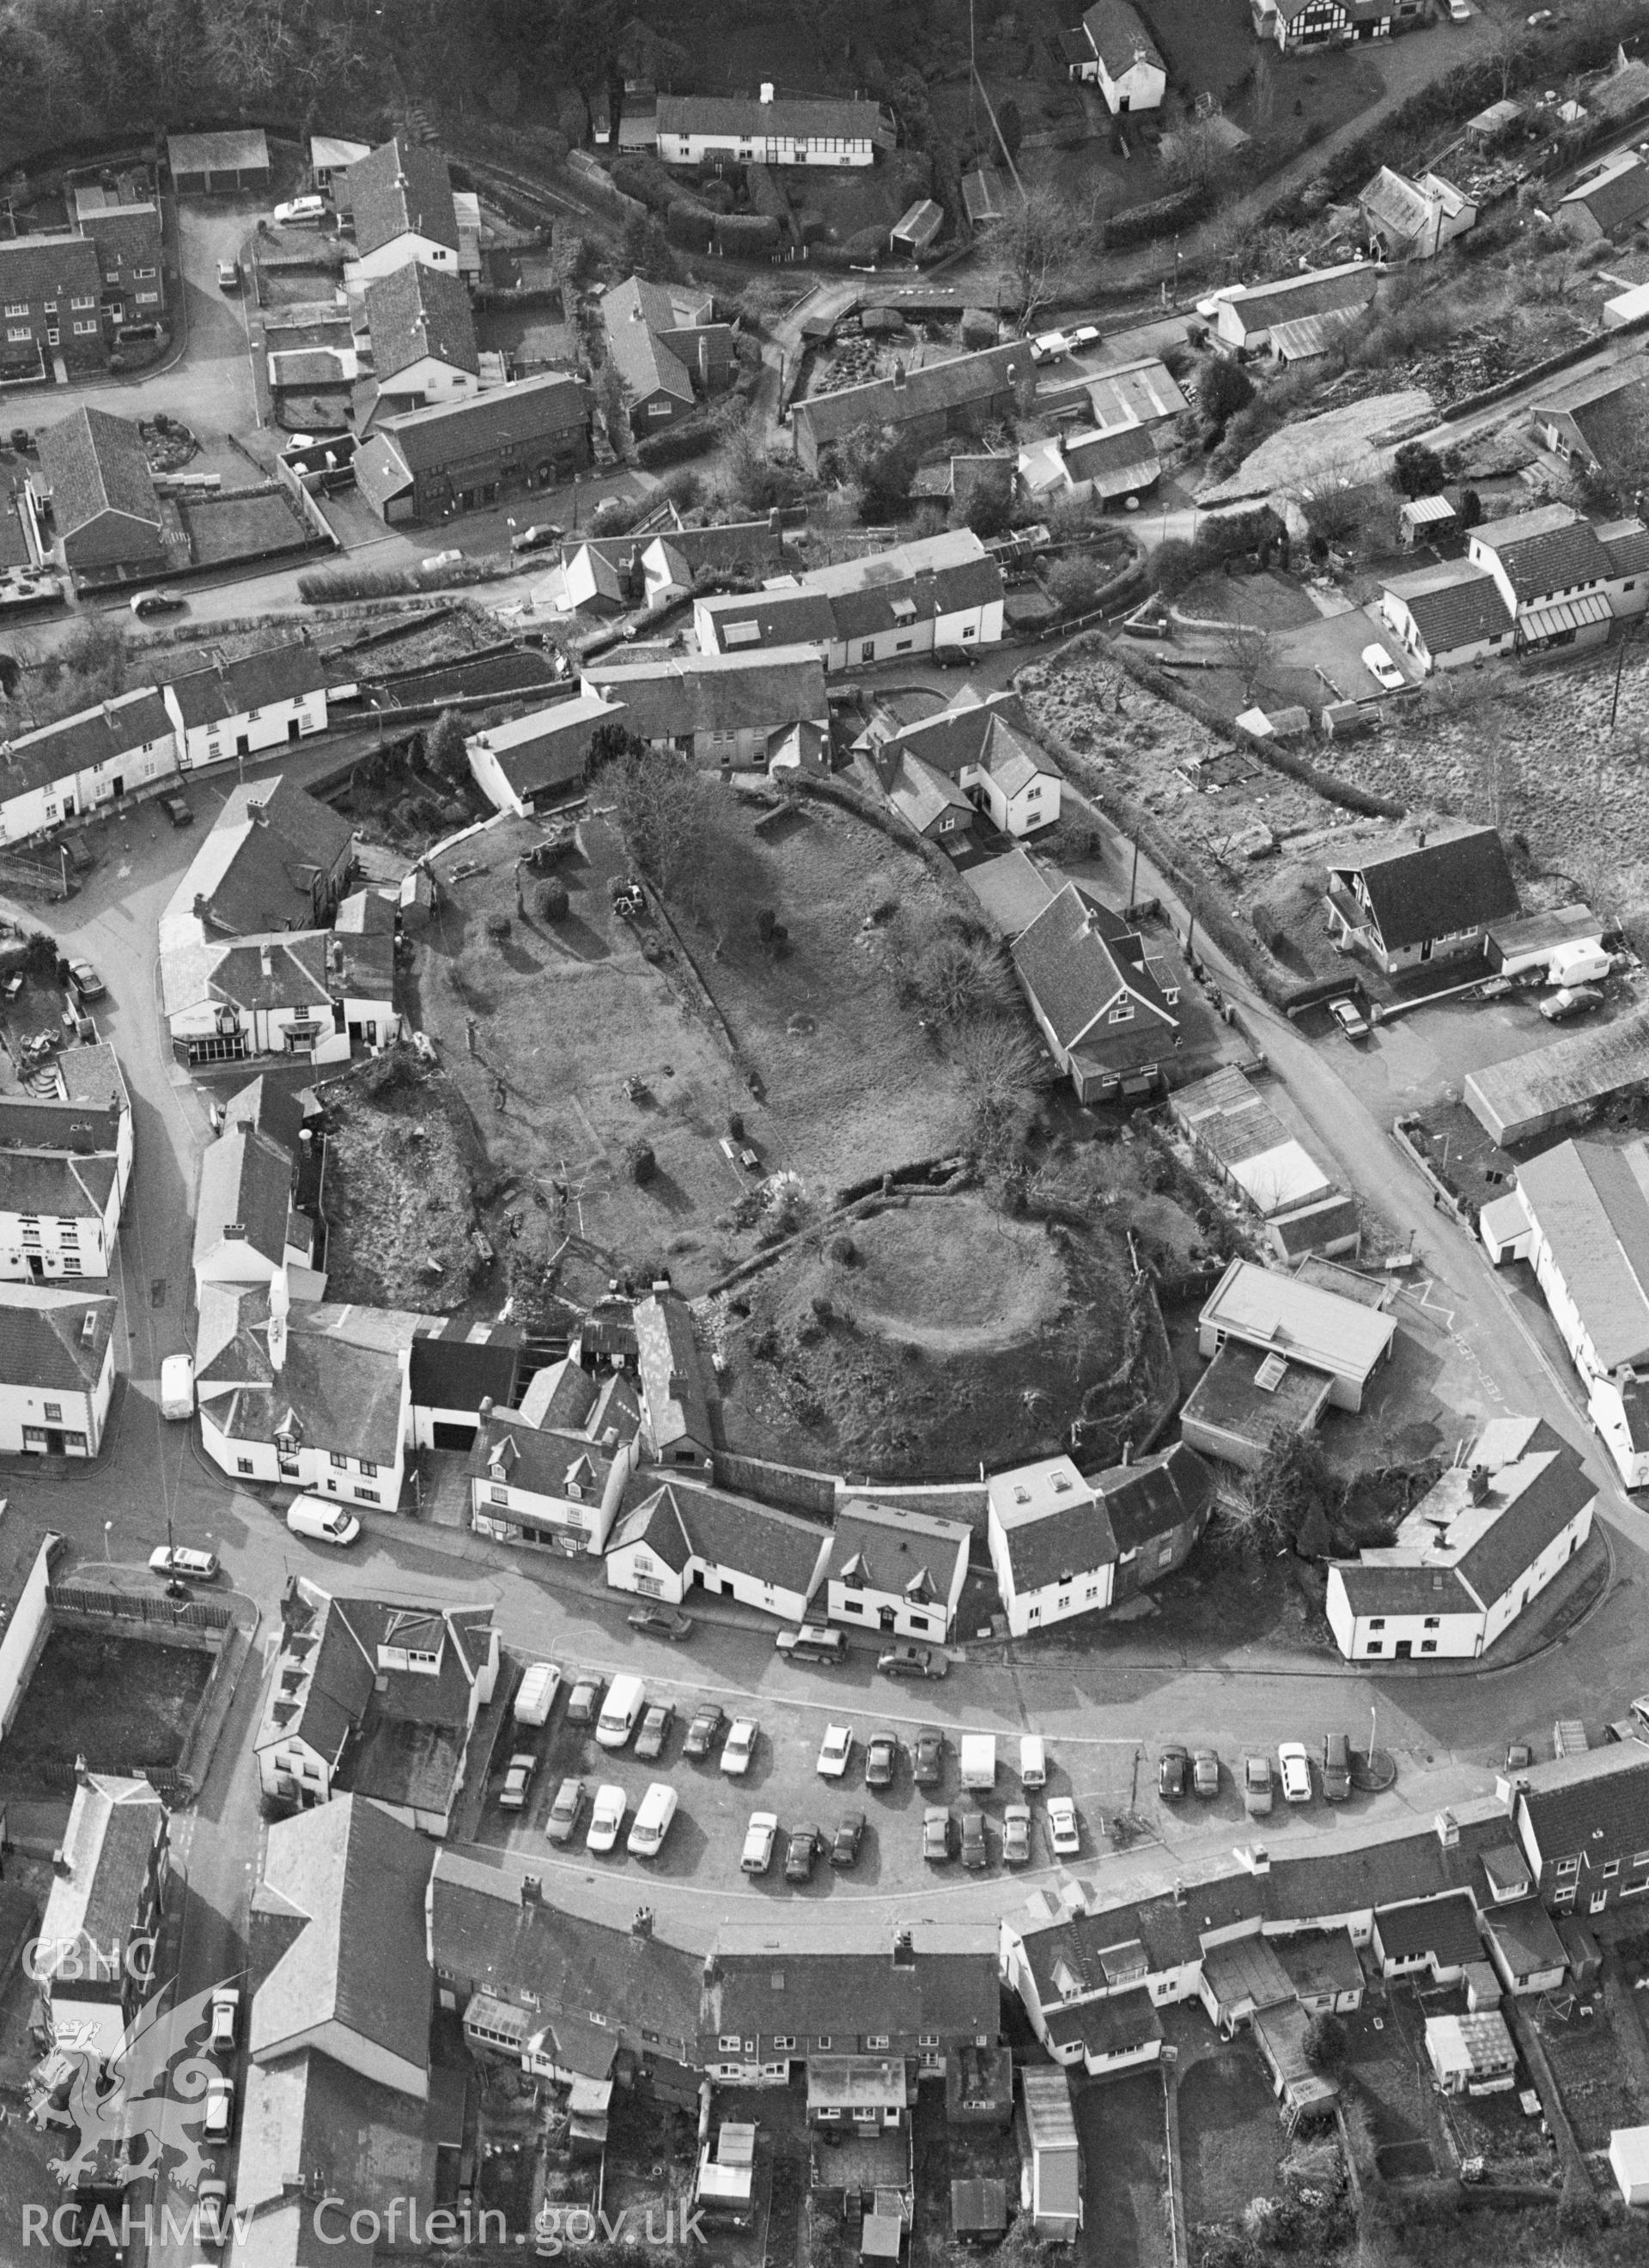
pixel 998 1064
pixel 1249 651
pixel 1509 47
pixel 1033 253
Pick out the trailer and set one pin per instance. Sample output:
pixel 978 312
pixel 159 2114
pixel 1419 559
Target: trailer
pixel 1568 1737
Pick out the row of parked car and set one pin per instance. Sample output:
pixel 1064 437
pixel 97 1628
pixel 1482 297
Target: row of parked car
pixel 1183 1772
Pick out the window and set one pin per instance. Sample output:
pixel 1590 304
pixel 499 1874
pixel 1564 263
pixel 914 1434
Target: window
pixel 243 1464
pixel 144 275
pixel 1431 1622
pixel 71 1263
pixel 85 330
pixel 875 2039
pixel 369 1471
pixel 148 298
pixel 1375 1645
pixel 83 303
pixel 51 339
pixel 1428 1645
pixel 928 2040
pixel 53 1413
pixel 368 1496
pixel 1568 1865
pixel 111 275
pixel 21 307
pixel 21 336
pixel 1377 1622
pixel 867 651
pixel 1123 1014
pixel 339 1460
pixel 783 2043
pixel 1611 1870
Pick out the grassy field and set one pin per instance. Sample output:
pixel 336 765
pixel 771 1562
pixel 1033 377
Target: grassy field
pixel 1229 2139
pixel 121 1701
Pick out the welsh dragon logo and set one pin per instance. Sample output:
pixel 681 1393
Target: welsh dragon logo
pixel 141 2111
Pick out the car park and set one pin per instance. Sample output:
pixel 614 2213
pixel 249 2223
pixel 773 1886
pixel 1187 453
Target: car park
pixel 1570 1001
pixel 584 1702
pixel 1174 1771
pixel 835 1752
pixel 759 1837
pixel 1256 1787
pixel 661 1621
pixel 1336 1767
pixel 517 1781
pixel 882 1759
pixel 651 1822
pixel 1016 1835
pixel 655 1731
pixel 606 1817
pixel 800 1852
pixel 1296 1770
pixel 976 1842
pixel 702 1733
pixel 912 1661
pixel 935 1833
pixel 298 210
pixel 845 1844
pixel 178 810
pixel 929 1758
pixel 566 1811
pixel 85 980
pixel 740 1746
pixel 1383 668
pixel 220 2109
pixel 1350 1021
pixel 1062 1831
pixel 226 2017
pixel 197 1567
pixel 1205 1774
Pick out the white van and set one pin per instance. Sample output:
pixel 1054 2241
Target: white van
pixel 326 1523
pixel 651 1822
pixel 1032 1761
pixel 621 1712
pixel 535 1696
pixel 177 1387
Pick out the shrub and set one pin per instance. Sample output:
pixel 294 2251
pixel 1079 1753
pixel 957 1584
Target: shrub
pixel 640 1159
pixel 1416 471
pixel 746 235
pixel 553 901
pixel 1075 582
pixel 688 225
pixel 1223 387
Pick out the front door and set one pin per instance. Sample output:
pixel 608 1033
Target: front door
pixel 117 787
pixel 37 1266
pixel 293 728
pixel 889 1620
pixel 1404 1648
pixel 243 744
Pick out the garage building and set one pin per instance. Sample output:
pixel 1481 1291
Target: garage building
pixel 216 165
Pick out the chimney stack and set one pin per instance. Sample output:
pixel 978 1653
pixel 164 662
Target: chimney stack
pixel 642 1925
pixel 1448 1830
pixel 266 963
pixel 486 1408
pixel 1477 1485
pixel 767 90
pixel 532 1890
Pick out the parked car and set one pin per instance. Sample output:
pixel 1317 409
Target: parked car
pixel 1062 1831
pixel 1346 1015
pixel 1205 1774
pixel 1296 1768
pixel 701 1733
pixel 1336 1767
pixel 740 1746
pixel 757 1856
pixel 297 210
pixel 929 1758
pixel 813 1642
pixel 539 537
pixel 1016 1834
pixel 976 1842
pixel 584 1703
pixel 835 1752
pixel 799 1853
pixel 157 602
pixel 1256 1787
pixel 662 1622
pixel 606 1819
pixel 225 2018
pixel 1383 668
pixel 178 810
pixel 912 1661
pixel 197 1566
pixel 211 2213
pixel 1460 11
pixel 1519 1756
pixel 651 1822
pixel 936 1832
pixel 85 980
pixel 1570 1001
pixel 1542 19
pixel 566 1811
pixel 220 2109
pixel 518 1779
pixel 844 1845
pixel 655 1730
pixel 1174 1771
pixel 229 275
pixel 882 1759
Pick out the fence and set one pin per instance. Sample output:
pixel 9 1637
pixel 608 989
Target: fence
pixel 138 1607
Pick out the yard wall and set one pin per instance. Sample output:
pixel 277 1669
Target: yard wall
pixel 25 1634
pixel 793 1487
pixel 308 510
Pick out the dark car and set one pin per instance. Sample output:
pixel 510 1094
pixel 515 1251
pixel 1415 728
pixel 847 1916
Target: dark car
pixel 1336 1767
pixel 538 538
pixel 662 1622
pixel 1570 1001
pixel 177 810
pixel 702 1732
pixel 655 1730
pixel 882 1759
pixel 1519 1756
pixel 799 1853
pixel 912 1661
pixel 157 602
pixel 935 1833
pixel 844 1847
pixel 1206 1772
pixel 929 1759
pixel 975 1842
pixel 950 656
pixel 1174 1772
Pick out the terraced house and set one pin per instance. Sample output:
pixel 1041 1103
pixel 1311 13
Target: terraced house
pixel 51 293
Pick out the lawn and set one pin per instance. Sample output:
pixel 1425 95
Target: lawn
pixel 223 528
pixel 1592 2073
pixel 1231 2141
pixel 1124 2156
pixel 121 1702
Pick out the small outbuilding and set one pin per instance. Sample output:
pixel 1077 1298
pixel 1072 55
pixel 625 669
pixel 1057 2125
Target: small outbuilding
pixel 914 231
pixel 1629 2162
pixel 1471 2055
pixel 1424 518
pixel 218 163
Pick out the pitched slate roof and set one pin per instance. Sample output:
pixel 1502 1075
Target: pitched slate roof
pixel 894 589
pixel 890 1547
pixel 1117 462
pixel 1117 34
pixel 449 1368
pixel 1445 1927
pixel 339 1395
pixel 57 265
pixel 1608 409
pixel 235 149
pixel 351 2138
pixel 70 1187
pixel 958 383
pixel 743 115
pixel 1551 549
pixel 1454 605
pixel 246 1181
pixel 921 796
pixel 1455 881
pixel 223 689
pixel 416 311
pixel 714 692
pixel 44 1340
pixel 1592 1203
pixel 1615 197
pixel 1069 968
pixel 1381 1590
pixel 807 1976
pixel 1154 1495
pixel 533 410
pixel 1626 541
pixel 1294 298
pixel 401 188
pixel 633 313
pixel 1601 1818
pixel 92 738
pixel 540 1460
pixel 1548 1486
pixel 94 464
pixel 778 1548
pixel 113 1824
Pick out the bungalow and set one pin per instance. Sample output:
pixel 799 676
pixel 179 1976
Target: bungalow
pixel 935 594
pixel 461 455
pixel 371 1699
pixel 1436 1935
pixel 1104 1014
pixel 1062 1546
pixel 667 348
pixel 528 762
pixel 1609 203
pixel 771 130
pixel 1482 1543
pixel 1082 465
pixel 1579 1216
pixel 234 709
pixel 1413 899
pixel 93 474
pixel 727 709
pixel 1413 220
pixel 422 338
pixel 84 763
pixel 928 403
pixel 400 202
pixel 1448 616
pixel 1299 1323
pixel 681 1535
pixel 895 1569
pixel 985 747
pixel 1121 58
pixel 56 1370
pixel 548 1484
pixel 1598 421
pixel 1526 1949
pixel 1248 322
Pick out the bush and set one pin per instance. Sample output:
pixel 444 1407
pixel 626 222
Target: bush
pixel 553 901
pixel 1416 471
pixel 746 235
pixel 640 1161
pixel 1223 387
pixel 1075 581
pixel 1139 223
pixel 688 226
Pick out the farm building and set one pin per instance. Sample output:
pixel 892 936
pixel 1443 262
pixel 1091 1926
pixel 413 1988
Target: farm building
pixel 1561 1084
